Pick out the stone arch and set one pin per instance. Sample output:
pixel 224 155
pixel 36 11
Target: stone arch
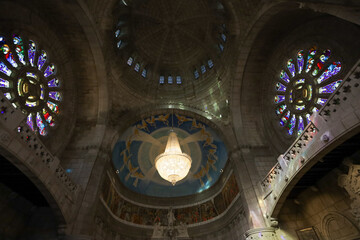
pixel 336 226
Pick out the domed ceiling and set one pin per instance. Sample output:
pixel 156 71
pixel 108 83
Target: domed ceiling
pixel 135 152
pixel 170 42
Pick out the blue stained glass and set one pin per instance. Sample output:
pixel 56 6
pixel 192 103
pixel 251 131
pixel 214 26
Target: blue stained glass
pixel 291 67
pixel 284 76
pixel 130 61
pixel 4 83
pixel 29 122
pixel 117 33
pixel 31 52
pixel 300 81
pixel 196 74
pixel 49 70
pixel 54 83
pixel 223 37
pixel 280 87
pixel 290 127
pixel 19 48
pixel 53 107
pixel 210 63
pixel 280 109
pixel 279 98
pixel 144 72
pixel 31 104
pixel 308 118
pixel 162 80
pixel 119 44
pixel 170 80
pixel 178 80
pixel 203 69
pixel 8 95
pixel 285 118
pixel 330 88
pixel 137 67
pixel 310 59
pixel 41 92
pixel 332 70
pixel 32 75
pixel 321 101
pixel 42 59
pixel 40 124
pixel 300 61
pixel 5 69
pixel 300 126
pixel 221 47
pixel 55 95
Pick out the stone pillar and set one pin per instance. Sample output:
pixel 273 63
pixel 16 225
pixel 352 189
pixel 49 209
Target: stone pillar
pixel 261 233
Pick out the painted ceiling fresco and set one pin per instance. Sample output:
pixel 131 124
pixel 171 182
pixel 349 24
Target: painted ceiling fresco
pixel 135 151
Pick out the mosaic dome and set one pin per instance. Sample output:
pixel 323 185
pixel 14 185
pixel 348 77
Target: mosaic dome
pixel 135 152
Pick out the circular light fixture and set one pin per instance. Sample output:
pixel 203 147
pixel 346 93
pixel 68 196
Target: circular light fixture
pixel 173 165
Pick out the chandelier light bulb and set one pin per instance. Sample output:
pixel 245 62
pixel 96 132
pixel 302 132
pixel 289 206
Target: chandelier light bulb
pixel 173 165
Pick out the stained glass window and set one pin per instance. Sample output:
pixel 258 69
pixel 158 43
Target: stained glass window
pixel 300 61
pixel 4 47
pixel 4 83
pixel 34 87
pixel 210 63
pixel 223 37
pixel 49 70
pixel 203 69
pixel 162 80
pixel 40 124
pixel 5 69
pixel 137 67
pixel 31 52
pixel 330 88
pixel 221 47
pixel 42 59
pixel 178 80
pixel 117 33
pixel 291 67
pixel 130 61
pixel 170 80
pixel 19 48
pixel 144 72
pixel 284 76
pixel 304 92
pixel 119 43
pixel 54 83
pixel 196 74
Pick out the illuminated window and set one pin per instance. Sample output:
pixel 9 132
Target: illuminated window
pixel 196 74
pixel 170 80
pixel 162 80
pixel 36 89
pixel 178 80
pixel 304 86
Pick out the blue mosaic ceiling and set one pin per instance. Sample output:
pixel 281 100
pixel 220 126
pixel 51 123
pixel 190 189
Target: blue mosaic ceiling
pixel 135 151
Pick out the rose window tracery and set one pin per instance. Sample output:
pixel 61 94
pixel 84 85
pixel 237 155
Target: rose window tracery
pixel 304 87
pixel 29 81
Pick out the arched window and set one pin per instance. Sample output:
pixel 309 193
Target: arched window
pixel 304 86
pixel 30 82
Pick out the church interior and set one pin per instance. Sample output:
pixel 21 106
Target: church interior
pixel 180 120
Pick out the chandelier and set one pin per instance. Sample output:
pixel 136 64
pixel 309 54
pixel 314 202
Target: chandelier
pixel 173 165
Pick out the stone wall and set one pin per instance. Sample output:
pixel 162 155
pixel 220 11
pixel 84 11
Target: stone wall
pixel 325 207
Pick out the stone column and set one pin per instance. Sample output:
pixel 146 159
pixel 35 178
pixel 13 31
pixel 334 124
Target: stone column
pixel 261 233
